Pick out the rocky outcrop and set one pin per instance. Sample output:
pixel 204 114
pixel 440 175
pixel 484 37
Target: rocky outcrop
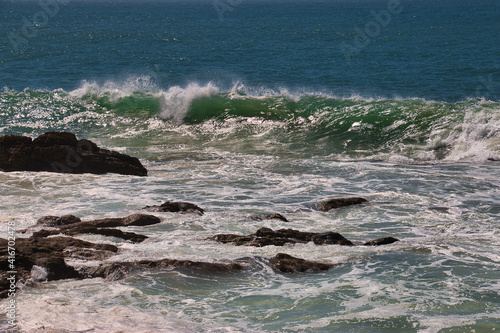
pixel 339 202
pixel 63 152
pixel 176 207
pixel 47 253
pixel 266 236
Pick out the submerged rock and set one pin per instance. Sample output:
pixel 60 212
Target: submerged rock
pixel 118 270
pixel 176 207
pixel 339 202
pixel 273 216
pixel 63 152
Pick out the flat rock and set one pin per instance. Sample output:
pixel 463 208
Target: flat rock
pixel 63 152
pixel 339 202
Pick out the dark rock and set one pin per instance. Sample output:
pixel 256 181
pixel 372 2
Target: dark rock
pixel 276 216
pixel 70 221
pixel 339 202
pixel 381 241
pixel 266 236
pixel 63 152
pixel 287 264
pixel 176 207
pixel 328 238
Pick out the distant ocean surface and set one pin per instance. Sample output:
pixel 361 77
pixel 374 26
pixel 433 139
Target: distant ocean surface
pixel 260 106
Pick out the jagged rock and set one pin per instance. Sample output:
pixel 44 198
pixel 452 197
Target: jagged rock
pixel 266 236
pixel 381 241
pixel 339 202
pixel 63 152
pixel 287 264
pixel 176 207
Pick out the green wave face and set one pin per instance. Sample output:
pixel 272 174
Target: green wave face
pixel 403 130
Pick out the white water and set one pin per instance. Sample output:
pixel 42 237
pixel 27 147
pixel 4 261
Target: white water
pixel 442 274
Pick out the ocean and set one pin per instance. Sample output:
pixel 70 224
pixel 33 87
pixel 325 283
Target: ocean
pixel 248 107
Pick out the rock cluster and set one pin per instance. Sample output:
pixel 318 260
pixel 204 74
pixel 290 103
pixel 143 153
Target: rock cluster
pixel 266 236
pixel 42 257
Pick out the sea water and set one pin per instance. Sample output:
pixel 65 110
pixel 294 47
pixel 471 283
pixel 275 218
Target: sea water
pixel 254 107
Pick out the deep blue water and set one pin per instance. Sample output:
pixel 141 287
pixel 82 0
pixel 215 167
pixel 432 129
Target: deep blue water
pixel 442 50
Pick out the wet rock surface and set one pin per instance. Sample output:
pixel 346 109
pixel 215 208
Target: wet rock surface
pixel 176 207
pixel 63 152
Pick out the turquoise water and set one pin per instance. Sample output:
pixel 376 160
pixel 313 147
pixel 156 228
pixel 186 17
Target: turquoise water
pixel 250 107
